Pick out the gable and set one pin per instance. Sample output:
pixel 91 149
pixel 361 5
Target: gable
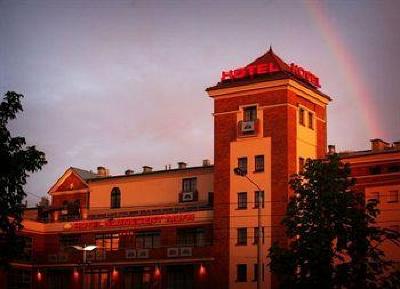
pixel 71 183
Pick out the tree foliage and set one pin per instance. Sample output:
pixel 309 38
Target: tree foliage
pixel 335 241
pixel 17 160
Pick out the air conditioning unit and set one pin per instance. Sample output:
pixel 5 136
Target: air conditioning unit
pixel 187 196
pixel 142 253
pixel 172 252
pixel 186 251
pixel 130 254
pixel 247 126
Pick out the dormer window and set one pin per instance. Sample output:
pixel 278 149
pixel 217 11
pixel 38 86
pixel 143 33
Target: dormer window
pixel 115 198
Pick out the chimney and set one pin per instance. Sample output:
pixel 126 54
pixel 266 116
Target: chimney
pixel 147 169
pixel 378 145
pixel 206 163
pixel 181 165
pixel 396 145
pixel 129 172
pixel 331 149
pixel 102 172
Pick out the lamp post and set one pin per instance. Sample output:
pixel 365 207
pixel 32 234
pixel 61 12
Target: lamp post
pixel 243 173
pixel 84 249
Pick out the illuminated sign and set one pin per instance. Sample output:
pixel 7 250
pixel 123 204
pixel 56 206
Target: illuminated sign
pixel 304 74
pixel 265 68
pixel 131 222
pixel 250 70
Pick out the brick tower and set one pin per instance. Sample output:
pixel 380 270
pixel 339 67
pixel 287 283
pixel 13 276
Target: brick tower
pixel 269 117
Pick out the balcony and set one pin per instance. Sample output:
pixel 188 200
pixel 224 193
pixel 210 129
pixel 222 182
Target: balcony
pixel 248 128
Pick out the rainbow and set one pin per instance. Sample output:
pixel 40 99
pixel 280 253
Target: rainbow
pixel 358 87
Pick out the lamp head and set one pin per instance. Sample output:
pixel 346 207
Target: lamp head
pixel 239 172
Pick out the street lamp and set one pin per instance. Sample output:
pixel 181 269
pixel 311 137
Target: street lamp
pixel 84 249
pixel 243 173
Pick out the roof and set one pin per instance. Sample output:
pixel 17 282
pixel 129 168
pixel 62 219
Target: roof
pixel 354 154
pixel 283 73
pixel 152 173
pixel 84 174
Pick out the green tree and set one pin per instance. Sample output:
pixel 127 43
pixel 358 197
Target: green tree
pixel 334 240
pixel 16 161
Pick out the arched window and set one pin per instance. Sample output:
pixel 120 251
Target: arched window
pixel 115 198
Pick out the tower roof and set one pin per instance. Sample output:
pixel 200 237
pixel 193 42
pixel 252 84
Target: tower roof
pixel 271 57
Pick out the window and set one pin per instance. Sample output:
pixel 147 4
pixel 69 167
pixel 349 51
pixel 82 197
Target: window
pixel 311 120
pixel 115 198
pixel 68 240
pixel 257 196
pixel 375 170
pixel 256 272
pixel 250 113
pixel 393 197
pixel 242 164
pixel 211 199
pixel 191 237
pixel 301 116
pixel 108 242
pixel 394 169
pixel 374 196
pixel 241 236
pixel 256 235
pixel 189 185
pixel 301 165
pixel 242 200
pixel 259 163
pixel 148 240
pixel 241 272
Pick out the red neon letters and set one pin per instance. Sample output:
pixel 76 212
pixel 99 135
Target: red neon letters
pixel 250 70
pixel 306 75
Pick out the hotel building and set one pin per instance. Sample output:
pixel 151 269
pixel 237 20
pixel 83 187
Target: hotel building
pixel 196 227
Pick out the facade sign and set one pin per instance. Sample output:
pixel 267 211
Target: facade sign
pixel 304 74
pixel 131 222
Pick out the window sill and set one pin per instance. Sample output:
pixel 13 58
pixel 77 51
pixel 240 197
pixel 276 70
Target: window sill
pixel 258 171
pixel 241 209
pixel 240 245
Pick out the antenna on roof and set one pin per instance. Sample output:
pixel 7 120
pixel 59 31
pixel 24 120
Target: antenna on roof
pixel 270 48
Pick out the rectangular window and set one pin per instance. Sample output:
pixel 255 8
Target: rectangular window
pixel 256 272
pixel 242 200
pixel 68 240
pixel 256 235
pixel 250 113
pixel 393 197
pixel 242 164
pixel 241 272
pixel 311 120
pixel 241 236
pixel 374 196
pixel 257 196
pixel 191 237
pixel 147 240
pixel 108 242
pixel 259 163
pixel 189 185
pixel 301 165
pixel 301 116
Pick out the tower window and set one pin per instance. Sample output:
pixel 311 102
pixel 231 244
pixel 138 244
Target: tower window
pixel 250 113
pixel 241 272
pixel 259 163
pixel 242 164
pixel 242 236
pixel 311 120
pixel 301 165
pixel 115 198
pixel 301 116
pixel 242 200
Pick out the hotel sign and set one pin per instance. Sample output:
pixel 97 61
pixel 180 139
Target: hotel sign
pixel 130 222
pixel 267 68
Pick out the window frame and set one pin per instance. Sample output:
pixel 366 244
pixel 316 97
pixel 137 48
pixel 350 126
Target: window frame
pixel 256 199
pixel 189 185
pixel 310 120
pixel 106 239
pixel 242 202
pixel 115 198
pixel 241 161
pixel 302 116
pixel 258 168
pixel 250 113
pixel 241 272
pixel 393 196
pixel 241 236
pixel 152 235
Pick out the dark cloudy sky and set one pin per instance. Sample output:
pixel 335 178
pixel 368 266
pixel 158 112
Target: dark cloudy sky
pixel 121 83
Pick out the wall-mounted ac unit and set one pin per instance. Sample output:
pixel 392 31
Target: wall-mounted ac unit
pixel 187 196
pixel 247 126
pixel 185 251
pixel 142 253
pixel 172 252
pixel 130 254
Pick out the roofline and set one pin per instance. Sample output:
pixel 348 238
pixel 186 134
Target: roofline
pixel 159 172
pixel 366 153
